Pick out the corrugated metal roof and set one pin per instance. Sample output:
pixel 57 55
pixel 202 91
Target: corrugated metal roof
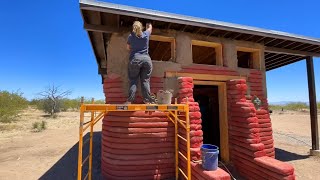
pixel 200 22
pixel 281 48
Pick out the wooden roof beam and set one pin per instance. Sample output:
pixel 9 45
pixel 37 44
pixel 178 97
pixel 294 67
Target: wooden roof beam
pixel 271 56
pixel 289 44
pixel 103 28
pixel 270 41
pixel 268 68
pixel 213 31
pixel 306 48
pixel 249 37
pixel 235 37
pixel 279 59
pixel 224 35
pixel 296 47
pixel 290 52
pixel 281 42
pixel 184 28
pixel 169 25
pixel 259 40
pixel 198 31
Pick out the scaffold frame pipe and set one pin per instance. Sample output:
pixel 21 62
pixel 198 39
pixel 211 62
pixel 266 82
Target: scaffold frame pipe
pixel 103 109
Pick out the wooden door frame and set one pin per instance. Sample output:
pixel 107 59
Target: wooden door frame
pixel 223 116
pixel 220 81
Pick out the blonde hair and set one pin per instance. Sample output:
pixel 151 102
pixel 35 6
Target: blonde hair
pixel 137 28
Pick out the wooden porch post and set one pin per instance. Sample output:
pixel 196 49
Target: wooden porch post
pixel 313 104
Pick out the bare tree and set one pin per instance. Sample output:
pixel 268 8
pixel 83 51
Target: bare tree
pixel 52 96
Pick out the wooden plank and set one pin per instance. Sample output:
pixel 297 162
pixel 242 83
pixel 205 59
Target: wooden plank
pixel 205 43
pixel 224 136
pixel 208 77
pixel 247 49
pixel 290 52
pixel 219 55
pixel 223 117
pixel 162 38
pixel 213 83
pixel 173 50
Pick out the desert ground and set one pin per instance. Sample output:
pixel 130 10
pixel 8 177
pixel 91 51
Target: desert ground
pixel 52 153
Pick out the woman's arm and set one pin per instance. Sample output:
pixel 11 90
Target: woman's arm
pixel 129 42
pixel 149 27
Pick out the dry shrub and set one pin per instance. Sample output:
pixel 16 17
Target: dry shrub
pixel 39 126
pixel 11 105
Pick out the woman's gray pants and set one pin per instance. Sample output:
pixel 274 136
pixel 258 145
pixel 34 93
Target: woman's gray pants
pixel 140 67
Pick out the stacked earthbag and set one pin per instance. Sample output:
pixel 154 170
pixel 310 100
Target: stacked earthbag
pixel 247 152
pixel 266 132
pixel 256 82
pixel 256 89
pixel 185 96
pixel 137 145
pixel 113 90
pixel 243 125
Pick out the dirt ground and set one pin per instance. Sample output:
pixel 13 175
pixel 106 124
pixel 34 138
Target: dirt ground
pixel 52 153
pixel 292 134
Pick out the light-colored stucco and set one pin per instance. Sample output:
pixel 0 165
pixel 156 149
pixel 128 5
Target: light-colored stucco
pixel 118 55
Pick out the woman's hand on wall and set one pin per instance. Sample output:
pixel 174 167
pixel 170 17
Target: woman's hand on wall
pixel 149 27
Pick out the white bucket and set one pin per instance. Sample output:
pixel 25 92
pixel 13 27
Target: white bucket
pixel 164 97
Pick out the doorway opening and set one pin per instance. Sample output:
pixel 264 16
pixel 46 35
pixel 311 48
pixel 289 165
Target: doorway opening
pixel 208 98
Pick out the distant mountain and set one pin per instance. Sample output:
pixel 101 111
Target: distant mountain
pixel 283 102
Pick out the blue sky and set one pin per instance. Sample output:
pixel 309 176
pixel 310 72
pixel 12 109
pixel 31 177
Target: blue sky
pixel 43 42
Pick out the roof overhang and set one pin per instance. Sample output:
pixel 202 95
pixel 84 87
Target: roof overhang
pixel 102 19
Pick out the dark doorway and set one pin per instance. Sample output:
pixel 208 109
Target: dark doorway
pixel 208 99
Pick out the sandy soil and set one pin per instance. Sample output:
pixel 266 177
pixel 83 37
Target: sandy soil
pixel 52 153
pixel 292 134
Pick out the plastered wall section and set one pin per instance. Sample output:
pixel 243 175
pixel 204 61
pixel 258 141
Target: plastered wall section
pixel 118 56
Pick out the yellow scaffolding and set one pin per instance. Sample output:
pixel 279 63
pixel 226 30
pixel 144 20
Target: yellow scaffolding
pixel 98 111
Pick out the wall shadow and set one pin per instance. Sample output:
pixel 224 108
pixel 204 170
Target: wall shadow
pixel 284 155
pixel 67 166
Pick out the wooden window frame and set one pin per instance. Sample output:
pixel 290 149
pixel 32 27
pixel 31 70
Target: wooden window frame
pixel 216 46
pixel 171 40
pixel 256 56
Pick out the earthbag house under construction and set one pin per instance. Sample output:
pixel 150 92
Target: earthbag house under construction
pixel 217 68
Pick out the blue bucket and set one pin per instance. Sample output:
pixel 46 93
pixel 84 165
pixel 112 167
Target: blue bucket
pixel 209 155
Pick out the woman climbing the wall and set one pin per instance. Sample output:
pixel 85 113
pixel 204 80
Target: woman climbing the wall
pixel 140 64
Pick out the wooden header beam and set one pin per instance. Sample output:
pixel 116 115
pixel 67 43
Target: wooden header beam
pixel 205 77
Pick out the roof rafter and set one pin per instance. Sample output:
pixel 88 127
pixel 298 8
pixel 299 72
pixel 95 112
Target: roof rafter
pixel 290 52
pixel 268 68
